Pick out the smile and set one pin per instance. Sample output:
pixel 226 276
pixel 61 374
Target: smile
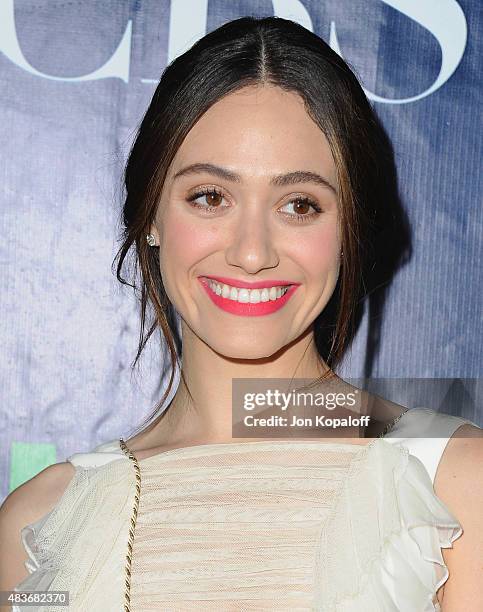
pixel 244 301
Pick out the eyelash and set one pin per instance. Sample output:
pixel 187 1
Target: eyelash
pixel 297 217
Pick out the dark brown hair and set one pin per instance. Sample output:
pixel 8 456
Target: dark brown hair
pixel 250 51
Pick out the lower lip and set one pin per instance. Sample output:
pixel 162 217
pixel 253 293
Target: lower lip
pixel 248 309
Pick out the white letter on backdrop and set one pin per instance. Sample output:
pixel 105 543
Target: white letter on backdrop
pixel 446 22
pixel 187 24
pixel 116 66
pixel 294 10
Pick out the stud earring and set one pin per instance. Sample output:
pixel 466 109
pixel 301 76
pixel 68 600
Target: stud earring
pixel 151 240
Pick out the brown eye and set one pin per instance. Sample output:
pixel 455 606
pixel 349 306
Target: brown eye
pixel 301 207
pixel 208 199
pixel 213 198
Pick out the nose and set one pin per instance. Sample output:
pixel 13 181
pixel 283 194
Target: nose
pixel 251 244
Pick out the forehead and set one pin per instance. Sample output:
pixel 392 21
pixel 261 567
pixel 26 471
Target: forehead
pixel 257 130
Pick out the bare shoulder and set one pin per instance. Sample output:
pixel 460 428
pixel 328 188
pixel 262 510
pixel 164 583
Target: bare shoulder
pixel 458 484
pixel 25 505
pixel 460 463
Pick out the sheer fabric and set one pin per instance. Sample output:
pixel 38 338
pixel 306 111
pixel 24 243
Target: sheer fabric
pixel 293 527
pixel 278 525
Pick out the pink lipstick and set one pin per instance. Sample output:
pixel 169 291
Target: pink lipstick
pixel 258 298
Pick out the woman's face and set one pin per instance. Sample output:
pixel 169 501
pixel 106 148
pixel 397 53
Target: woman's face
pixel 250 197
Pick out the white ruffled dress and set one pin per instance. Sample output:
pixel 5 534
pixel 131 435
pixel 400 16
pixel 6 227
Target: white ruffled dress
pixel 277 525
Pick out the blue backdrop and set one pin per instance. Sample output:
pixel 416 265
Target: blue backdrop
pixel 76 78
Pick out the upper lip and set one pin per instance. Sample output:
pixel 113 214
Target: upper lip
pixel 233 282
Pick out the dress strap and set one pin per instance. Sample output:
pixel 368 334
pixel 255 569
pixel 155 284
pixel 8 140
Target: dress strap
pixel 425 433
pixel 100 455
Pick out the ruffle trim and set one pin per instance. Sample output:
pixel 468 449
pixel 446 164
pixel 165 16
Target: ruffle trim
pixel 398 564
pixel 393 563
pixel 38 540
pixel 91 515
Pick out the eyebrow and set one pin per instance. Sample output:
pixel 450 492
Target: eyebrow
pixel 289 178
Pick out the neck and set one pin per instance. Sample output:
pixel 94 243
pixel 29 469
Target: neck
pixel 206 414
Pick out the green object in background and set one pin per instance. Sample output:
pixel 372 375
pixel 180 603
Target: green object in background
pixel 28 459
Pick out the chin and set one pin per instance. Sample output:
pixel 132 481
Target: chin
pixel 245 350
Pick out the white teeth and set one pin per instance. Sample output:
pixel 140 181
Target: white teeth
pixel 245 296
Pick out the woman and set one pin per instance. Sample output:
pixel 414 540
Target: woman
pixel 254 190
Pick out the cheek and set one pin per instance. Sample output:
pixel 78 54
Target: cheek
pixel 317 253
pixel 184 242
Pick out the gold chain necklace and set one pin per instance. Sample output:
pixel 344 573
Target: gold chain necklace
pixel 391 424
pixel 127 582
